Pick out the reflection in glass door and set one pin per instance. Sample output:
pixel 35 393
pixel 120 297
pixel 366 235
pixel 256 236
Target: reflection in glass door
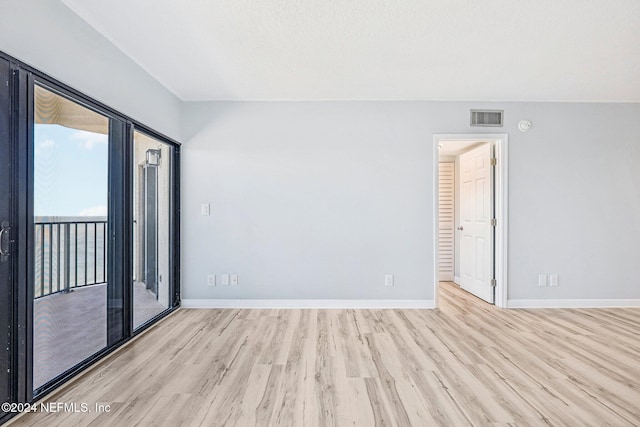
pixel 152 225
pixel 71 179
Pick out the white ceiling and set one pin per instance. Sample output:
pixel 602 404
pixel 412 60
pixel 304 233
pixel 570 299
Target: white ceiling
pixel 520 50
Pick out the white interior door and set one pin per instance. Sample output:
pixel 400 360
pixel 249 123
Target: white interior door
pixel 475 229
pixel 446 217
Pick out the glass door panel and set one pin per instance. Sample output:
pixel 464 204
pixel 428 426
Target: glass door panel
pixel 71 182
pixel 152 224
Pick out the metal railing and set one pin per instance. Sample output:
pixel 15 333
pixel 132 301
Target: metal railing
pixel 69 254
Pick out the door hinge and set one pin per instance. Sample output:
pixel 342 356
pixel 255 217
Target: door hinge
pixel 493 283
pixel 494 222
pixel 494 161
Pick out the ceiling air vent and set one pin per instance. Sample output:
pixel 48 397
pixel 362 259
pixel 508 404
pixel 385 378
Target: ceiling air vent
pixel 487 117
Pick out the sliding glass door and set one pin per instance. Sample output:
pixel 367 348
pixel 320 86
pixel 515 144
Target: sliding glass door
pixel 88 231
pixel 71 225
pixel 153 265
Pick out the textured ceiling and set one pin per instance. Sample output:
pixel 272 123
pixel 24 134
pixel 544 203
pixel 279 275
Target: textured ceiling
pixel 521 50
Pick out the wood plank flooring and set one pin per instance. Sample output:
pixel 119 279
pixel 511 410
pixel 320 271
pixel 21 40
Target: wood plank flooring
pixel 467 363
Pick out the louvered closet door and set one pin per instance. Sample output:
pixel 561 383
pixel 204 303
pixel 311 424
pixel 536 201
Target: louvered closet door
pixel 446 221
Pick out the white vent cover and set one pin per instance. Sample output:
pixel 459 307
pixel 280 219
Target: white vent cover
pixel 487 117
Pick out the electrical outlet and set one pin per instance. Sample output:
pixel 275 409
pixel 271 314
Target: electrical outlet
pixel 553 280
pixel 234 279
pixel 388 279
pixel 225 280
pixel 542 280
pixel 211 280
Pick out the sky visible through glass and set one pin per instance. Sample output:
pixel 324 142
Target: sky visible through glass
pixel 71 172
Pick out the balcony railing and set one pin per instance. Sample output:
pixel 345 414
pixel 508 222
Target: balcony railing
pixel 70 253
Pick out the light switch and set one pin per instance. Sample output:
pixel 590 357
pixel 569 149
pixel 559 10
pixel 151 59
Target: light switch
pixel 234 280
pixel 205 209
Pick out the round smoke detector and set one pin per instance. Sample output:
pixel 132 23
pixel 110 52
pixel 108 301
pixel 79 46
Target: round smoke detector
pixel 524 125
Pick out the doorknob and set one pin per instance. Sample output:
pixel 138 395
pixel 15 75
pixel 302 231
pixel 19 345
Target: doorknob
pixel 461 228
pixel 4 240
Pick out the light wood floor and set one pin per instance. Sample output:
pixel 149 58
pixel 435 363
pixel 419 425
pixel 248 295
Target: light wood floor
pixel 467 363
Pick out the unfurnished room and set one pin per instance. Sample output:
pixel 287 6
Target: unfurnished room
pixel 336 213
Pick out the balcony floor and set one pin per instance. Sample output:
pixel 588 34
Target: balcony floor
pixel 69 328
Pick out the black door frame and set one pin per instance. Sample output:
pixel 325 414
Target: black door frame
pixel 7 223
pixel 117 218
pixel 174 221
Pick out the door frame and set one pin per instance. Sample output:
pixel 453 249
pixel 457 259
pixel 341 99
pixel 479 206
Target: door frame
pixel 8 260
pixel 501 144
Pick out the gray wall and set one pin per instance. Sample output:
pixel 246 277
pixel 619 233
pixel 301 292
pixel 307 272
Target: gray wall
pixel 575 201
pixel 309 200
pixel 50 37
pixel 320 200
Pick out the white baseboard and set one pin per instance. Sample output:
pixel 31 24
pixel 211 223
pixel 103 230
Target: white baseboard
pixel 457 280
pixel 305 303
pixel 572 303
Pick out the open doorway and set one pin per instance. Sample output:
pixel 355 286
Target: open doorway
pixel 470 216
